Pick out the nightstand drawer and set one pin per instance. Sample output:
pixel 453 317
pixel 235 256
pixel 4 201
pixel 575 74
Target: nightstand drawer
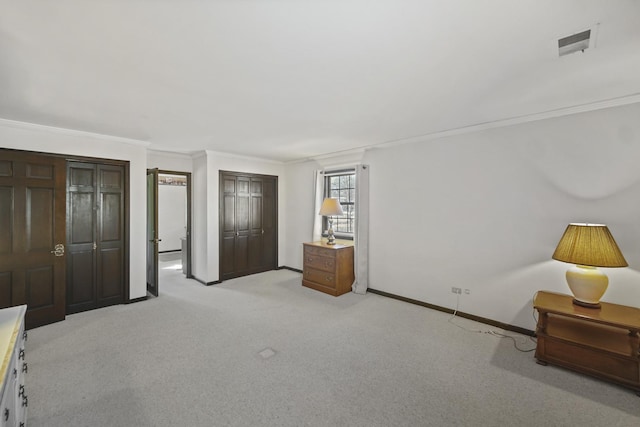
pixel 320 262
pixel 319 251
pixel 320 277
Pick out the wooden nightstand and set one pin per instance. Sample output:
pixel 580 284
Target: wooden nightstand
pixel 601 342
pixel 328 268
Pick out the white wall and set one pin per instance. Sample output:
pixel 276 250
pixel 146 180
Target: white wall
pixel 175 162
pixel 172 216
pixel 200 226
pixel 485 210
pixel 51 140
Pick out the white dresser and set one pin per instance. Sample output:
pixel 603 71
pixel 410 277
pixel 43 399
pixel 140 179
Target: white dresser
pixel 13 399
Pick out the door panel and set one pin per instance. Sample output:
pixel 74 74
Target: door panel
pixel 227 257
pixel 241 254
pixel 5 287
pixel 111 224
pixel 6 220
pixel 110 279
pixel 82 223
pixel 40 224
pixel 80 289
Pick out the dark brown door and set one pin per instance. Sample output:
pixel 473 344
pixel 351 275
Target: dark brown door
pixel 32 240
pixel 95 236
pixel 152 231
pixel 248 224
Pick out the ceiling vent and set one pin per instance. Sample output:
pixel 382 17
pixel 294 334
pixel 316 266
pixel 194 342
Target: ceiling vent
pixel 574 43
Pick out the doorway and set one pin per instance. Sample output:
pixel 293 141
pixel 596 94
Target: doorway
pixel 168 223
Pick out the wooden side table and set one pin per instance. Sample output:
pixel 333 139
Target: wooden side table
pixel 604 342
pixel 328 268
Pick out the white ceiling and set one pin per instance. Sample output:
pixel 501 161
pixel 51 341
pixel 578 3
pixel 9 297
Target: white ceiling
pixel 292 79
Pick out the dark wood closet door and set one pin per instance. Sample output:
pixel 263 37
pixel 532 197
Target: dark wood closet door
pixel 248 224
pixel 270 224
pixel 32 241
pixel 81 237
pixel 256 231
pixel 110 235
pixel 95 236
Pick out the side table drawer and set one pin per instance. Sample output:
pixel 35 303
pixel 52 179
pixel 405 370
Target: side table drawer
pixel 320 262
pixel 320 277
pixel 589 360
pixel 314 250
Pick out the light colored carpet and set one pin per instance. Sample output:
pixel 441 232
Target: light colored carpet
pixel 264 351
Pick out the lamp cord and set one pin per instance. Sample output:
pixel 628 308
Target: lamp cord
pixel 491 332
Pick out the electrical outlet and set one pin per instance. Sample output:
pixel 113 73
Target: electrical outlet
pixel 456 290
pixel 467 291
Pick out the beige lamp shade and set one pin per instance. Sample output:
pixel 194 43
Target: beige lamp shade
pixel 330 206
pixel 589 245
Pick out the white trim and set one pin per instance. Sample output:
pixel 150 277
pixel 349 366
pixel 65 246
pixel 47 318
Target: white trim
pixel 240 156
pixel 171 154
pixel 77 133
pixel 560 112
pixel 617 102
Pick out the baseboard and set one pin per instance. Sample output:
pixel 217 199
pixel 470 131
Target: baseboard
pixel 205 283
pixel 131 301
pixel 284 267
pixel 484 320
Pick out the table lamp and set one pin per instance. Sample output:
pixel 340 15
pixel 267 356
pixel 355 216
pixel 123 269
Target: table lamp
pixel 330 206
pixel 588 246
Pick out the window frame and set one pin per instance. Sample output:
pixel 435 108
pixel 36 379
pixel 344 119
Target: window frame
pixel 344 235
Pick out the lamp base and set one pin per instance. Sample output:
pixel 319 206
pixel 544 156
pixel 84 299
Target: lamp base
pixel 331 240
pixel 587 284
pixel 586 304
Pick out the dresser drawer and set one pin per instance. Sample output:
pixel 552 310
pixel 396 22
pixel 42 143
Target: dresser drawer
pixel 320 262
pixel 323 278
pixel 319 251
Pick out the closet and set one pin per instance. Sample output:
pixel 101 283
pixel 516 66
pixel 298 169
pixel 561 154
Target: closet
pixel 95 235
pixel 248 224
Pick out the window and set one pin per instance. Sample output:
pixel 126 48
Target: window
pixel 342 185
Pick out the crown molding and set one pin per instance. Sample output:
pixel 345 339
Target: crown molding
pixel 174 154
pixel 512 121
pixel 241 157
pixel 70 132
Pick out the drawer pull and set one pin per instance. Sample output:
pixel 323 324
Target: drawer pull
pixel 21 392
pixel 15 373
pixel 25 401
pixel 328 278
pixel 25 335
pixel 21 354
pixel 6 414
pixel 24 367
pixel 309 259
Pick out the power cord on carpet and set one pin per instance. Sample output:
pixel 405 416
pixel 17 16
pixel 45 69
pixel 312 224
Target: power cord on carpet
pixel 494 333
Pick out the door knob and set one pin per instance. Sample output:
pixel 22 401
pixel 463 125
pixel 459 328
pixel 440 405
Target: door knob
pixel 58 250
